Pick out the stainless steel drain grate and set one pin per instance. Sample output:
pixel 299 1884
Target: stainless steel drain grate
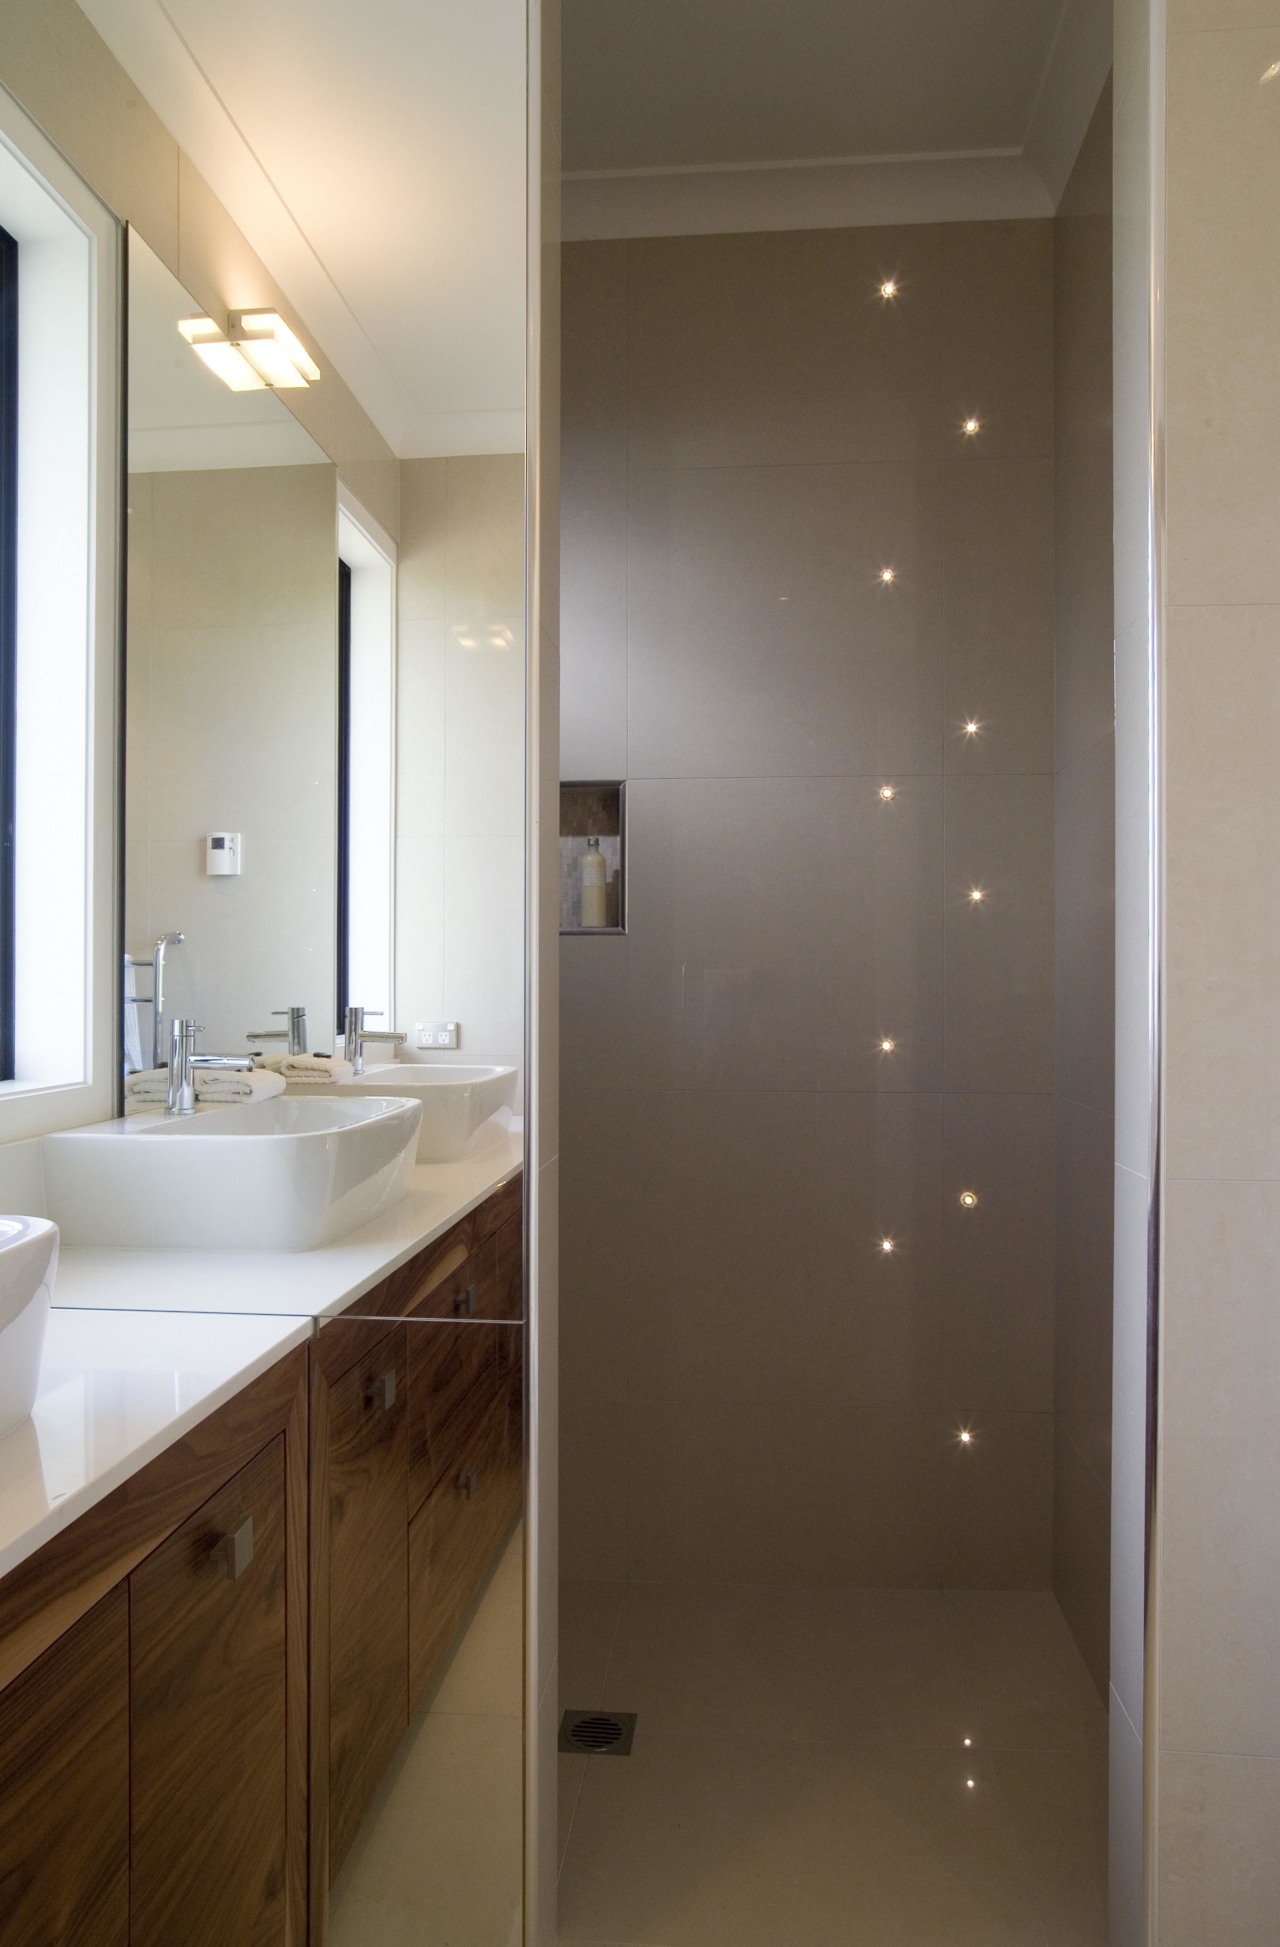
pixel 598 1733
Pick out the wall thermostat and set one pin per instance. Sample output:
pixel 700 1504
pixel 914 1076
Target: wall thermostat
pixel 222 854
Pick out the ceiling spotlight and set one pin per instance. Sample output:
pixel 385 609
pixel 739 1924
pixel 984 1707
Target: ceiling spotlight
pixel 888 574
pixel 886 1046
pixel 968 1743
pixel 969 1199
pixel 970 1783
pixel 976 895
pixel 887 792
pixel 889 288
pixel 886 1245
pixel 972 426
pixel 972 727
pixel 277 354
pixel 966 1438
pixel 209 342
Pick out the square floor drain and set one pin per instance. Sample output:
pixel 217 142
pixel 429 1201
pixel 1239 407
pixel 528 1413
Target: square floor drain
pixel 598 1733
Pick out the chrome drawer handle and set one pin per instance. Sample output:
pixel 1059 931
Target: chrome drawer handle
pixel 239 1547
pixel 464 1303
pixel 382 1393
pixel 467 1483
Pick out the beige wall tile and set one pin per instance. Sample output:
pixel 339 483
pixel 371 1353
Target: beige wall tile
pixel 486 538
pixel 1223 892
pixel 999 615
pixel 997 1301
pixel 998 837
pixel 1223 308
pixel 484 774
pixel 997 333
pixel 421 660
pixel 484 945
pixel 1131 374
pixel 1082 1553
pixel 594 1285
pixel 997 1498
pixel 1220 1476
pixel 593 1003
pixel 1057 1806
pixel 785 352
pixel 1134 1026
pixel 592 1493
pixel 1129 1490
pixel 1219 1870
pixel 420 989
pixel 654 1506
pixel 1126 1890
pixel 422 561
pixel 1084 1181
pixel 762 640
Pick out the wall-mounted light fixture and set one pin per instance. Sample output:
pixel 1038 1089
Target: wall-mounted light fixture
pixel 968 1199
pixel 209 342
pixel 276 353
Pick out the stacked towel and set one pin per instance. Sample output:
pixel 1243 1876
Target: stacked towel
pixel 149 1090
pixel 313 1069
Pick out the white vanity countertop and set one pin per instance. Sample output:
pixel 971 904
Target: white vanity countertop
pixel 113 1396
pixel 143 1345
pixel 297 1284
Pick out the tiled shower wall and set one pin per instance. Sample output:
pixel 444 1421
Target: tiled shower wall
pixel 754 1388
pixel 1084 883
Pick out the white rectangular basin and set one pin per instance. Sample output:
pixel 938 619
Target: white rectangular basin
pixel 457 1100
pixel 28 1262
pixel 279 1175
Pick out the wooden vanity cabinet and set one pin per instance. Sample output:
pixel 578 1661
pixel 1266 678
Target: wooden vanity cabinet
pixel 153 1724
pixel 64 1789
pixel 207 1800
pixel 368 1618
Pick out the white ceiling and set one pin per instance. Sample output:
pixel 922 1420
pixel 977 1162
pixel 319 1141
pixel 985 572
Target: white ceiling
pixel 374 156
pixel 741 114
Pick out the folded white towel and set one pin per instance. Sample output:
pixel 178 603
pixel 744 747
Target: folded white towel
pixel 237 1084
pixel 149 1090
pixel 308 1068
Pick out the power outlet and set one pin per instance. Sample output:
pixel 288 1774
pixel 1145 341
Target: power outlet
pixel 440 1034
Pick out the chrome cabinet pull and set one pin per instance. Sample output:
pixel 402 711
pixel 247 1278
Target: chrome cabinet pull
pixel 467 1483
pixel 381 1395
pixel 464 1303
pixel 239 1547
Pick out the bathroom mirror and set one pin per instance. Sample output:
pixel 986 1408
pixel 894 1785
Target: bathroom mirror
pixel 231 692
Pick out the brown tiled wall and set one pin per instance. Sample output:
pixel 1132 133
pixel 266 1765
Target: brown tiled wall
pixel 752 1388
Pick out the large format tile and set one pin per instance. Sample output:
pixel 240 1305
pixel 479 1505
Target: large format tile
pixel 1129 1452
pixel 1085 1271
pixel 997 1291
pixel 1222 316
pixel 1219 1870
pixel 1220 1478
pixel 999 615
pixel 484 714
pixel 780 929
pixel 1057 1806
pixel 1082 1554
pixel 589 1613
pixel 1222 924
pixel 778 350
pixel 805 1663
pixel 740 1844
pixel 486 538
pixel 997 1500
pixel 1025 1684
pixel 997 333
pixel 998 994
pixel 763 640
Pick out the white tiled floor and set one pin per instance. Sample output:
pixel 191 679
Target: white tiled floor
pixel 800 1771
pixel 438 1861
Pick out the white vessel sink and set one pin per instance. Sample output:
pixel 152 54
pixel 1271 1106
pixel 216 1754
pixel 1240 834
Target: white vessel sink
pixel 280 1175
pixel 28 1260
pixel 456 1100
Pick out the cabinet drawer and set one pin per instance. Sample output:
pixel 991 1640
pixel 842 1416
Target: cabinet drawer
pixel 368 1582
pixel 208 1757
pixel 64 1789
pixel 452 1383
pixel 452 1540
pixel 470 1290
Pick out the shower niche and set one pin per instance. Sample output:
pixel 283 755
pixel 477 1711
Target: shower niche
pixel 593 857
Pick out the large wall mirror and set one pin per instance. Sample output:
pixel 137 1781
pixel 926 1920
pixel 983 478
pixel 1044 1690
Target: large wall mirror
pixel 324 806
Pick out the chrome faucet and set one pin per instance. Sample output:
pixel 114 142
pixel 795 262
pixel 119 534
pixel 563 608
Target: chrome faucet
pixel 355 1037
pixel 183 1062
pixel 295 1034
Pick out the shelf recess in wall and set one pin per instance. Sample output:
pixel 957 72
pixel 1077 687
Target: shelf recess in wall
pixel 592 808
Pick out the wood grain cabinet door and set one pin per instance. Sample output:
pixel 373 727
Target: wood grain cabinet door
pixel 209 1752
pixel 368 1582
pixel 64 1789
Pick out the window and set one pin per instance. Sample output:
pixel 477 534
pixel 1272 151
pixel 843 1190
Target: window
pixel 366 763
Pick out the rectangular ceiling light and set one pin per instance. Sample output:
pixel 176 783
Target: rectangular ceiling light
pixel 210 344
pixel 275 352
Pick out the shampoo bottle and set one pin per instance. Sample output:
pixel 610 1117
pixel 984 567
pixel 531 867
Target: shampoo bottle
pixel 593 877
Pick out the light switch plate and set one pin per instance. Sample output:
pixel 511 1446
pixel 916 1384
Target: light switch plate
pixel 439 1034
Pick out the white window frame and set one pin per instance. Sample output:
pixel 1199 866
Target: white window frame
pixel 70 281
